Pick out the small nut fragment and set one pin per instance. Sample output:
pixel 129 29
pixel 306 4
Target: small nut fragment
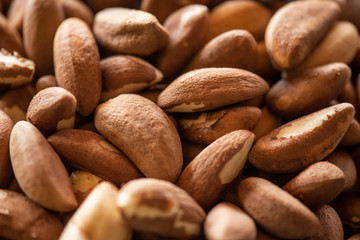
pixel 6 172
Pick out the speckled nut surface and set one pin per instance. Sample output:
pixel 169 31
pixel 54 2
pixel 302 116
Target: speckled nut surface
pixel 52 109
pixel 39 170
pixel 10 38
pixel 77 64
pixel 216 166
pixel 20 218
pixel 129 31
pixel 275 210
pixel 154 147
pixel 227 221
pixel 303 141
pixel 303 24
pixel 91 152
pixel 210 88
pixel 160 207
pixel 6 172
pixel 126 74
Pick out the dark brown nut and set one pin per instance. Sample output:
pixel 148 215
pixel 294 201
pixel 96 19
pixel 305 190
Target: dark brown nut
pixel 303 141
pixel 206 127
pixel 10 38
pixel 246 15
pixel 235 48
pixel 267 122
pixel 160 207
pixel 349 94
pixel 98 5
pixel 39 170
pixel 129 31
pixel 78 9
pixel 45 81
pixel 304 92
pixel 350 12
pixel 51 110
pixel 126 74
pixel 90 151
pixel 354 237
pixel 316 185
pixel 41 19
pixel 216 166
pixel 190 151
pixel 187 27
pixel 352 135
pixel 227 221
pixel 154 147
pixel 20 218
pixel 210 88
pixel 303 24
pixel 15 14
pixel 348 208
pixel 275 210
pixel 100 205
pixel 77 63
pixel 16 101
pixel 262 235
pixel 6 172
pixel 83 183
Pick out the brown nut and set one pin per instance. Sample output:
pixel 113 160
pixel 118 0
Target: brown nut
pixel 348 208
pixel 160 207
pixel 264 67
pixel 267 122
pixel 352 135
pixel 45 81
pixel 350 12
pixel 190 151
pixel 210 88
pixel 77 63
pixel 154 147
pixel 6 172
pixel 98 5
pixel 227 221
pixel 303 141
pixel 15 14
pixel 129 31
pixel 39 170
pixel 275 210
pixel 90 151
pixel 10 38
pixel 83 183
pixel 354 237
pixel 79 10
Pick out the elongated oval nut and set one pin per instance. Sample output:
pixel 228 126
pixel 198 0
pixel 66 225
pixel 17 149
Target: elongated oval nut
pixel 210 88
pixel 39 170
pixel 140 129
pixel 303 141
pixel 6 172
pixel 91 152
pixel 316 185
pixel 275 210
pixel 77 64
pixel 216 166
pixel 296 28
pixel 227 221
pixel 20 218
pixel 98 217
pixel 160 207
pixel 10 38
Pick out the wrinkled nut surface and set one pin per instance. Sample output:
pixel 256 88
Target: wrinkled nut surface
pixel 83 183
pixel 5 165
pixel 160 207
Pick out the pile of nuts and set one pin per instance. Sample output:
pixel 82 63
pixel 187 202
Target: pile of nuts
pixel 173 119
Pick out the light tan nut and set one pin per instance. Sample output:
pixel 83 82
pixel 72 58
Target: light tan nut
pixel 41 19
pixel 126 74
pixel 6 172
pixel 77 64
pixel 83 183
pixel 296 28
pixel 235 48
pixel 275 210
pixel 160 207
pixel 51 110
pixel 268 122
pixel 316 185
pixel 210 88
pixel 129 31
pixel 15 14
pixel 20 218
pixel 91 152
pixel 187 27
pixel 39 170
pixel 10 38
pixel 154 147
pixel 227 221
pixel 206 127
pixel 216 166
pixel 45 81
pixel 303 141
pixel 98 217
pixel 352 135
pixel 79 10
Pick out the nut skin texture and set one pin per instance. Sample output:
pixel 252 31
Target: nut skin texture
pixel 299 143
pixel 210 88
pixel 77 64
pixel 10 38
pixel 154 147
pixel 295 29
pixel 129 31
pixel 275 210
pixel 227 221
pixel 91 152
pixel 20 218
pixel 6 172
pixel 160 207
pixel 39 170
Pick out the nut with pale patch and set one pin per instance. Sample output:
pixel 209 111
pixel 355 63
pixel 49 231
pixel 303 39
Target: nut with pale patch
pixel 83 183
pixel 6 172
pixel 160 207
